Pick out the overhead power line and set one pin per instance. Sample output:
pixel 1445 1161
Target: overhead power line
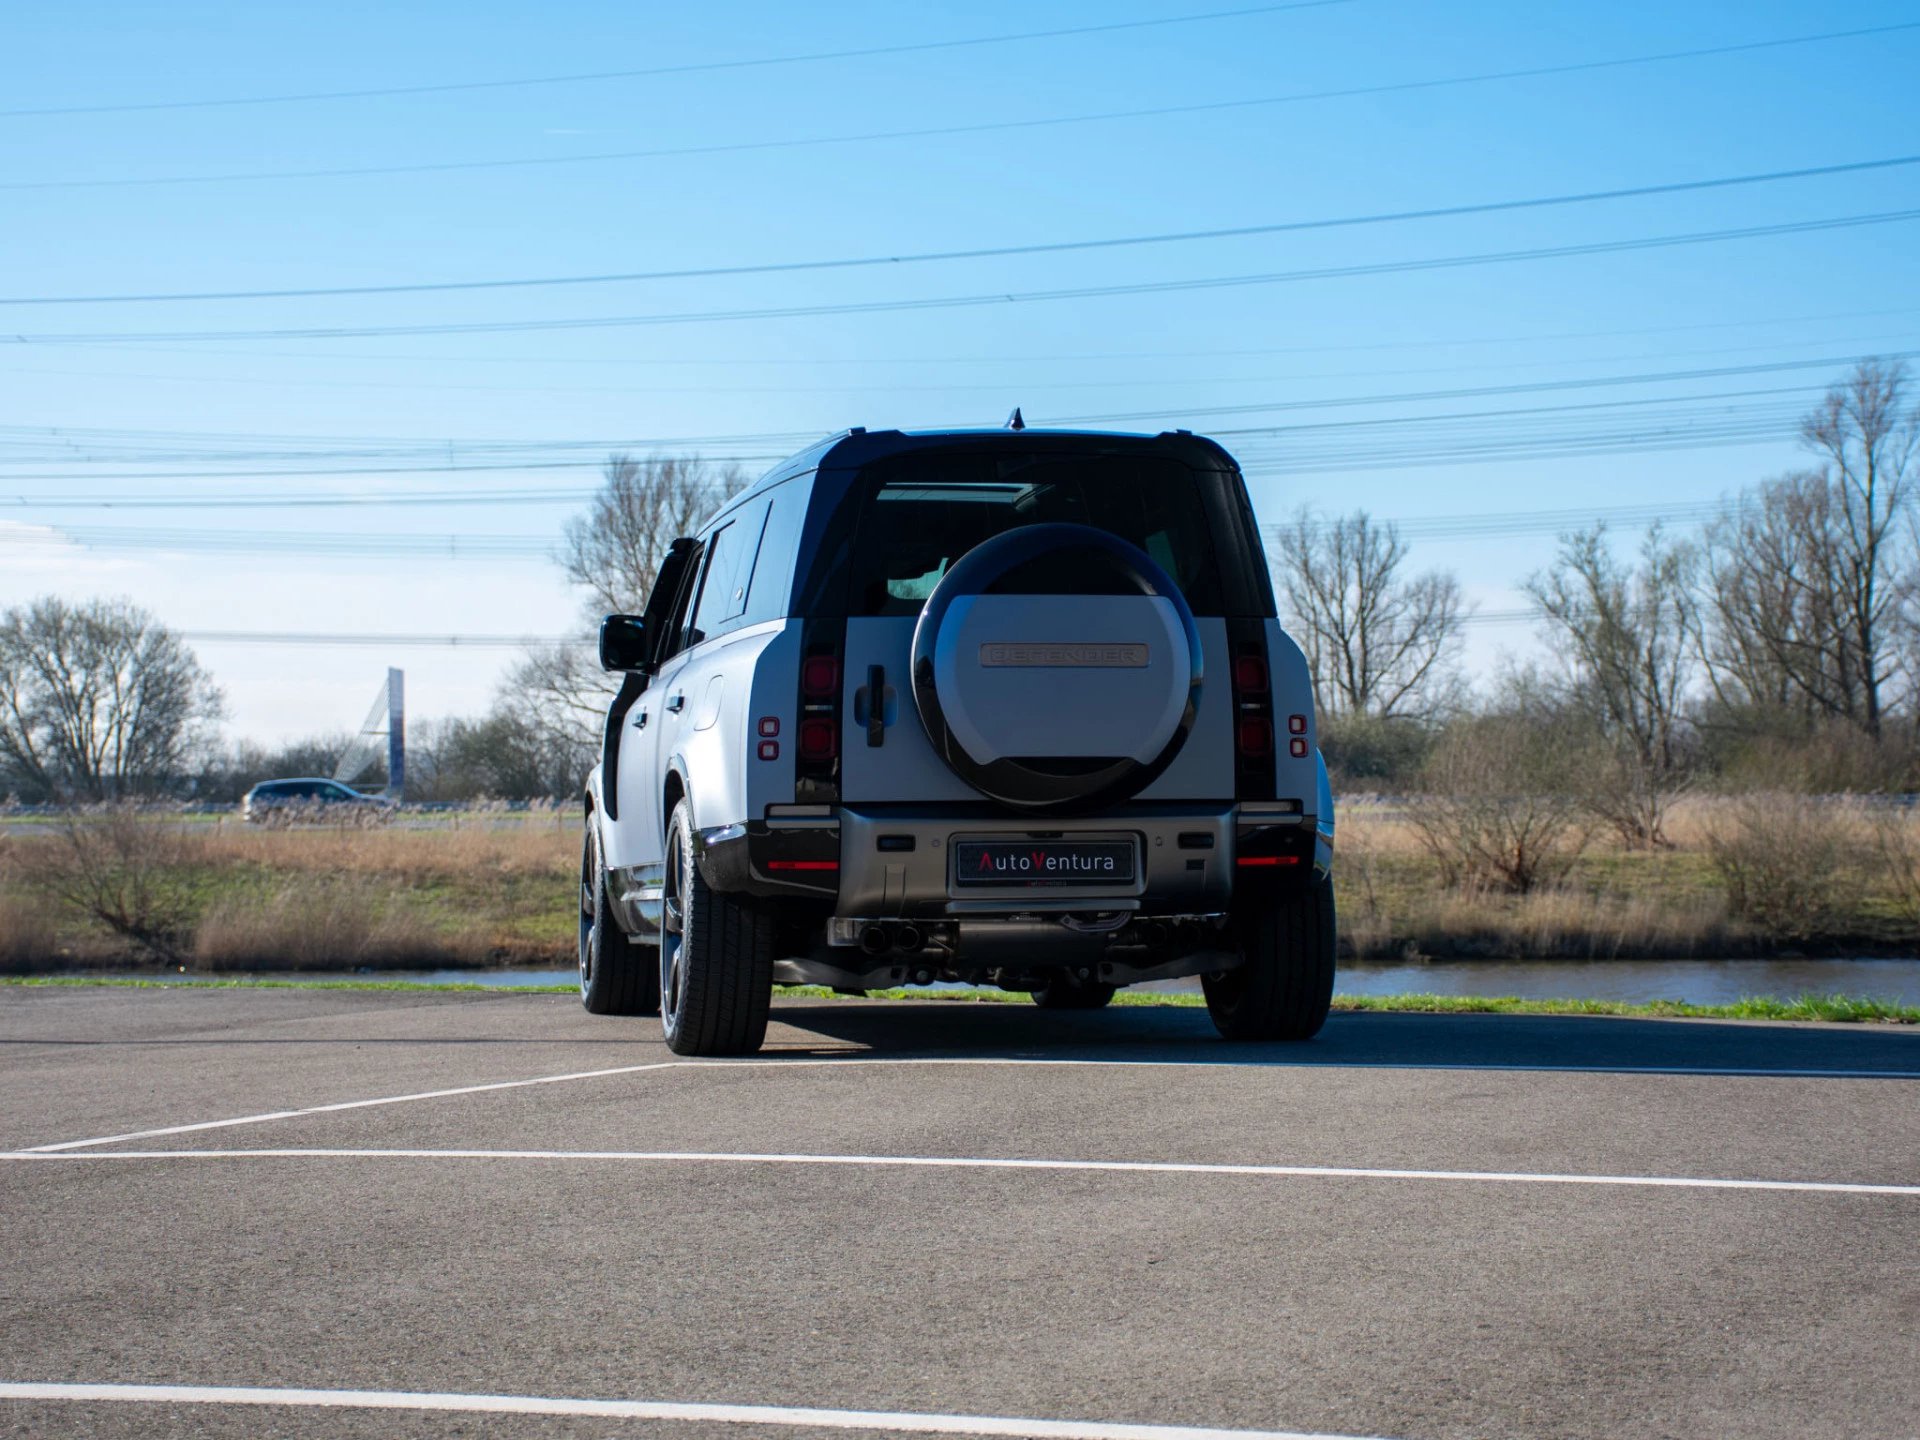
pixel 1603 428
pixel 315 637
pixel 979 127
pixel 790 360
pixel 317 543
pixel 696 67
pixel 1420 433
pixel 1496 525
pixel 512 465
pixel 1514 422
pixel 77 444
pixel 952 302
pixel 1531 387
pixel 995 252
pixel 374 640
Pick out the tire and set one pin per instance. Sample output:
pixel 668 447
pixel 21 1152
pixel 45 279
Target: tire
pixel 1284 988
pixel 617 977
pixel 716 957
pixel 1067 994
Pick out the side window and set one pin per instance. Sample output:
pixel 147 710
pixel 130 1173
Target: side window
pixel 716 585
pixel 772 585
pixel 676 627
pixel 748 526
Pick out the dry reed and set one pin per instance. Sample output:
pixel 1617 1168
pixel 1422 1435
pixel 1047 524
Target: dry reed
pixel 326 923
pixel 27 936
pixel 520 849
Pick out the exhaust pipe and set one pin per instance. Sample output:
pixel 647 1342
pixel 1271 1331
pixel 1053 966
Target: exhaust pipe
pixel 906 937
pixel 875 940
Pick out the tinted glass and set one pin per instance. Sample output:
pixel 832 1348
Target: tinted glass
pixel 921 514
pixel 677 631
pixel 772 581
pixel 716 587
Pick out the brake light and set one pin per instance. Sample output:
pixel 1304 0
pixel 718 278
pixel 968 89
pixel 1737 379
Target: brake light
pixel 1248 862
pixel 820 677
pixel 803 865
pixel 1251 673
pixel 819 739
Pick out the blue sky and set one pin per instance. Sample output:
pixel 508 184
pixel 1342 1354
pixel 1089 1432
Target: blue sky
pixel 552 395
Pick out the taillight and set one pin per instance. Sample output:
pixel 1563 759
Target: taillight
pixel 820 677
pixel 1253 717
pixel 816 730
pixel 819 739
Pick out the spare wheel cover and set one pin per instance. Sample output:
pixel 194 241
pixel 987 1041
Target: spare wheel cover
pixel 1056 667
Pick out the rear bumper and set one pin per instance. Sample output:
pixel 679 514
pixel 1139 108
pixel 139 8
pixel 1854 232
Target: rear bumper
pixel 884 860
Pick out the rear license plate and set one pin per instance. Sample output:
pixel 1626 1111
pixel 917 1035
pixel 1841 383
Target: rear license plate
pixel 1043 862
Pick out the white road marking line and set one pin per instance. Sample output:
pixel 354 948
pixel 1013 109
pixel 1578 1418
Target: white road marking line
pixel 1307 1063
pixel 956 1162
pixel 643 1410
pixel 351 1105
pixel 780 1062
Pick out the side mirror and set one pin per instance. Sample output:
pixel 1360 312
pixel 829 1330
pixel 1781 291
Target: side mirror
pixel 623 643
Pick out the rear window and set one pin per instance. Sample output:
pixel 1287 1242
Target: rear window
pixel 919 514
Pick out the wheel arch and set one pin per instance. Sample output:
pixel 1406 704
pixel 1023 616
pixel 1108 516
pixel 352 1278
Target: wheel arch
pixel 590 792
pixel 674 789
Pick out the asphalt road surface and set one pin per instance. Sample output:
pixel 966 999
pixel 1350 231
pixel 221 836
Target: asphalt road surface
pixel 262 1213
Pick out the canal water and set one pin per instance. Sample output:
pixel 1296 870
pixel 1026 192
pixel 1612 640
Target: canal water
pixel 1694 982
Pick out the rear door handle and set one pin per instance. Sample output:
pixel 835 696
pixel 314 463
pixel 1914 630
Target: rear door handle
pixel 677 701
pixel 876 705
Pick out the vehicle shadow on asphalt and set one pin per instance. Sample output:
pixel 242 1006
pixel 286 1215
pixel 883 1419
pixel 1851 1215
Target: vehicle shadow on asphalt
pixel 1184 1036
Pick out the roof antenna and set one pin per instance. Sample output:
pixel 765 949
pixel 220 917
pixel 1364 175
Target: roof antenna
pixel 1014 422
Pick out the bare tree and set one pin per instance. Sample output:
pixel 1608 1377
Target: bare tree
pixel 1626 633
pixel 1811 578
pixel 1867 435
pixel 612 553
pixel 97 700
pixel 1498 812
pixel 1768 641
pixel 614 550
pixel 1378 644
pixel 558 694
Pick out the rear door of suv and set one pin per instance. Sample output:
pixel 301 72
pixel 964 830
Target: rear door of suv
pixel 920 513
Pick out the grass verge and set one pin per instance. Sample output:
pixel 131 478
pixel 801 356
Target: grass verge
pixel 1841 1009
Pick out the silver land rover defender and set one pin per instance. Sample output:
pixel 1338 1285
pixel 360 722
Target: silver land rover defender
pixel 1003 707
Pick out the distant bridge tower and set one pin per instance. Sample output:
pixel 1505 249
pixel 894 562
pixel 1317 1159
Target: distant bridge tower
pixel 387 720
